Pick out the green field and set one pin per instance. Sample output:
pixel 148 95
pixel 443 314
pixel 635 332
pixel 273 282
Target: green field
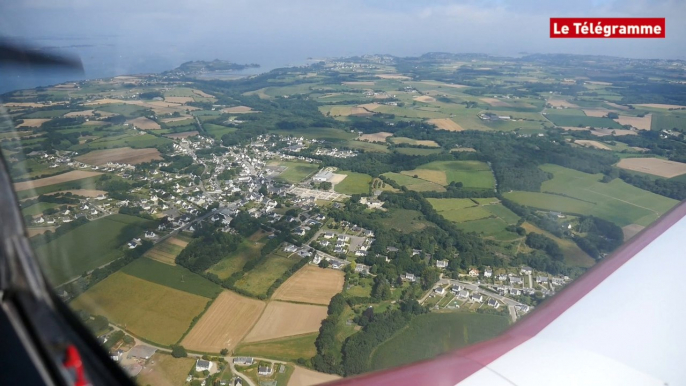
pixel 185 122
pixel 325 133
pixel 86 247
pixel 576 120
pixel 148 310
pixel 135 141
pixel 173 276
pixel 127 110
pixel 296 171
pixel 417 151
pixel 84 183
pixel 47 113
pixel 367 146
pixel 235 261
pixel 405 220
pixel 472 174
pixel 415 184
pixel 574 256
pixel 217 130
pixel 584 194
pixel 287 349
pixel 258 280
pixel 488 218
pixel 432 334
pixel 675 120
pixel 354 183
pixel 38 208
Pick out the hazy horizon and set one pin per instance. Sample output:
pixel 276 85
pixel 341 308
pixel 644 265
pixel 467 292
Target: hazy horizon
pixel 132 37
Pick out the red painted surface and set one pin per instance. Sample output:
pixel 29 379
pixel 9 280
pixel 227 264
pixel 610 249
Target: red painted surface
pixel 452 368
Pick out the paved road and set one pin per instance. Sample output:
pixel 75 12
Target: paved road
pixel 511 303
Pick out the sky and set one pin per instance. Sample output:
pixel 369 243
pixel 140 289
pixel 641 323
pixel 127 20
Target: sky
pixel 136 36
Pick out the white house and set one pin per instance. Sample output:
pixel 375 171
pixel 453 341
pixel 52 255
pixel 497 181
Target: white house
pixel 442 263
pixel 439 290
pixel 201 365
pixel 477 297
pixel 473 272
pixel 488 272
pixel 264 370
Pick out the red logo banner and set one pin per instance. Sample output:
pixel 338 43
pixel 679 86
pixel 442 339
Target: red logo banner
pixel 607 28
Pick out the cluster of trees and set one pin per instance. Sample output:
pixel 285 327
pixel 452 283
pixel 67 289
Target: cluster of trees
pixel 358 348
pixel 602 236
pixel 328 357
pixel 546 244
pixel 177 163
pixel 669 188
pixel 209 246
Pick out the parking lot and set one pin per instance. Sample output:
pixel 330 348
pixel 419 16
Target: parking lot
pixel 317 194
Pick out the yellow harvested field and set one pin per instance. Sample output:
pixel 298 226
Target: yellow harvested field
pixel 359 83
pixel 165 370
pixel 179 99
pixel 224 324
pixel 436 83
pixel 559 102
pixel 597 112
pixel 64 177
pixel 446 124
pixel 155 312
pixel 159 107
pixel 39 230
pixel 144 123
pixel 30 104
pixel 311 284
pixel 33 122
pixel 589 143
pixel 631 230
pixel 654 166
pixel 164 252
pixel 495 102
pixel 661 106
pixel 84 113
pixel 641 123
pixel 238 110
pixel 370 106
pixel 184 134
pixel 337 179
pixel 425 99
pixel 281 319
pixel 83 192
pixel 615 132
pixel 306 377
pixel 124 155
pixel 392 76
pixel 360 111
pixel 179 242
pixel 176 119
pixel 435 176
pixel 202 94
pixel 415 142
pixel 375 137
